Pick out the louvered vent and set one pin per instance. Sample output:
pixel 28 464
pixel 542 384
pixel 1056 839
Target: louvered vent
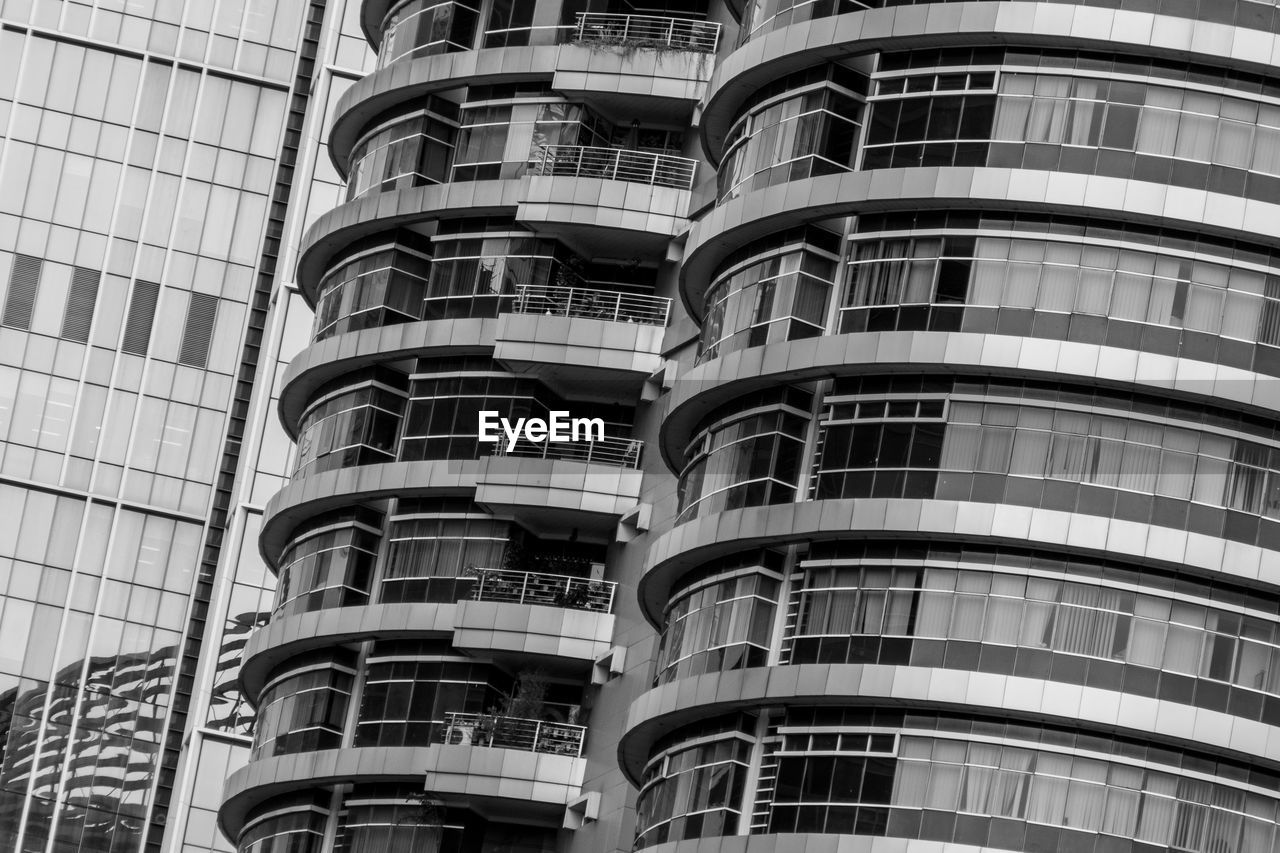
pixel 199 329
pixel 142 314
pixel 21 299
pixel 82 298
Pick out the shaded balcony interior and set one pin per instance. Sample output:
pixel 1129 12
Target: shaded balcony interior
pixel 395 816
pixel 430 409
pixel 437 550
pixel 1009 611
pixel 892 773
pixel 1165 291
pixel 418 28
pixel 1137 457
pixel 416 693
pixel 471 269
pixel 507 130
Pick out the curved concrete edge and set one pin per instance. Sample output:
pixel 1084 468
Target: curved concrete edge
pixel 406 79
pixel 284 638
pixel 713 383
pixel 679 703
pixel 538 630
pixel 757 214
pixel 305 497
pixel 650 214
pixel 345 353
pixel 584 491
pixel 672 78
pixel 513 779
pixel 579 488
pixel 605 347
pixel 371 14
pixel 338 228
pixel 812 842
pixel 695 542
pixel 1031 24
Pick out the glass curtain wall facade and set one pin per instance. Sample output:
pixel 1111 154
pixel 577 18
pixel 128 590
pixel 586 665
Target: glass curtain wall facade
pixel 140 231
pixel 940 495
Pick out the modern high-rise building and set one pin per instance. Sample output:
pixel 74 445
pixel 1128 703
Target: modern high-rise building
pixel 935 349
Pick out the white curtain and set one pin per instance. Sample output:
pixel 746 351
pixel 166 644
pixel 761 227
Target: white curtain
pixel 1157 132
pixel 1004 620
pixel 1047 802
pixel 1123 801
pixel 986 283
pixel 1234 146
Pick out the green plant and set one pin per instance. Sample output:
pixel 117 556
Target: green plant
pixel 575 595
pixel 429 814
pixel 528 697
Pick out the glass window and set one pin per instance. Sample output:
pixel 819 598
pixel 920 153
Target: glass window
pixel 718 624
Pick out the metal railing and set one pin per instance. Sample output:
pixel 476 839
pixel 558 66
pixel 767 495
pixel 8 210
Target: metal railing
pixel 513 733
pixel 617 452
pixel 647 31
pixel 615 164
pixel 593 303
pixel 539 588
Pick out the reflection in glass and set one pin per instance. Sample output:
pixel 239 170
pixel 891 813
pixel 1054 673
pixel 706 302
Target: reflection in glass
pixel 779 292
pixel 717 623
pixel 745 458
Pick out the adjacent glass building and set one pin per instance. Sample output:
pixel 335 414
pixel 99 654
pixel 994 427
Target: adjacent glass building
pixel 152 166
pixel 937 346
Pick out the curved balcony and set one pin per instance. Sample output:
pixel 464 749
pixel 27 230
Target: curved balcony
pixel 565 591
pixel 544 494
pixel 343 354
pixel 646 84
pixel 512 780
pixel 592 303
pixel 530 613
pixel 701 540
pixel 639 31
pixel 284 638
pixel 614 452
pixel 615 164
pixel 588 214
pixel 335 231
pixel 715 382
pixel 518 733
pixel 686 701
pixel 583 340
pixel 754 215
pixel 547 495
pixel 825 842
pixel 1052 24
pixel 561 617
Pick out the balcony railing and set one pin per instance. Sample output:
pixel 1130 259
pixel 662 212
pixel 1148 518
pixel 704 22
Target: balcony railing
pixel 538 588
pixel 618 452
pixel 615 164
pixel 513 733
pixel 647 31
pixel 593 303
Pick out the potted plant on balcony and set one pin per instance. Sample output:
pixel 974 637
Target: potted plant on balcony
pixel 526 701
pixel 575 596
